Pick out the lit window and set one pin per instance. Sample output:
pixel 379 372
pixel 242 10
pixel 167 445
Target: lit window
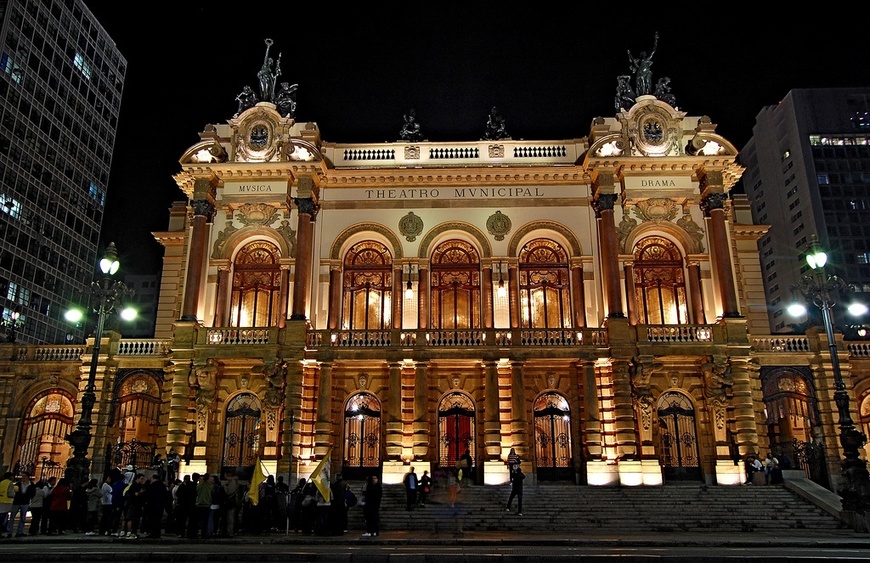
pixel 80 63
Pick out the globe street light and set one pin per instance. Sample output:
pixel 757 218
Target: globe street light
pixel 106 295
pixel 822 289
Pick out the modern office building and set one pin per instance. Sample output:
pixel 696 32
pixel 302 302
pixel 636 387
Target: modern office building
pixel 61 79
pixel 808 173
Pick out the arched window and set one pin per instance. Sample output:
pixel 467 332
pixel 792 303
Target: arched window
pixel 43 449
pixel 455 286
pixel 242 435
pixel 545 291
pixel 659 282
pixel 362 436
pixel 256 286
pixel 678 437
pixel 455 428
pixel 367 287
pixel 553 437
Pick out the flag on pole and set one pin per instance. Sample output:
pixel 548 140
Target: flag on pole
pixel 259 477
pixel 320 476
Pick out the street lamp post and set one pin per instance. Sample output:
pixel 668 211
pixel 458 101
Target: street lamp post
pixel 106 295
pixel 822 289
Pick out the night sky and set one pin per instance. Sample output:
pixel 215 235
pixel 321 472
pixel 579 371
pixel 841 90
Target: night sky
pixel 359 69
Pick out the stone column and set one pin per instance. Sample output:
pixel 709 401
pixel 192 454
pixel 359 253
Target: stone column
pixel 519 419
pixel 578 295
pixel 203 213
pixel 513 287
pixel 630 295
pixel 421 412
pixel 492 418
pixel 324 425
pixel 308 209
pixel 745 376
pixel 698 316
pixel 335 290
pixel 603 206
pixel 221 309
pixel 486 288
pixel 394 413
pixel 284 299
pixel 623 411
pixel 713 205
pixel 398 297
pixel 423 297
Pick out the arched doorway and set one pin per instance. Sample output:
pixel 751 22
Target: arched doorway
pixel 241 435
pixel 790 405
pixel 553 457
pixel 455 428
pixel 133 438
pixel 43 449
pixel 678 438
pixel 362 436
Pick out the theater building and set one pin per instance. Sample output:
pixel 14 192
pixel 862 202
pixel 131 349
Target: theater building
pixel 594 303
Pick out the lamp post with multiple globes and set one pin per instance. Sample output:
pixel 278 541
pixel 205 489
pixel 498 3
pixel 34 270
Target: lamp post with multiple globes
pixel 822 289
pixel 106 296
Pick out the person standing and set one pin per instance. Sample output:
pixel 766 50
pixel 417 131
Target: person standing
pixel 513 461
pixel 466 464
pixel 204 492
pixel 106 507
pixel 37 508
pixel 118 486
pixel 6 495
pixel 411 484
pixel 425 487
pixel 46 512
pixel 134 506
pixel 58 507
pixel 770 465
pixel 517 491
pixel 92 503
pixel 233 496
pixel 372 506
pixel 185 521
pixel 156 499
pixel 24 490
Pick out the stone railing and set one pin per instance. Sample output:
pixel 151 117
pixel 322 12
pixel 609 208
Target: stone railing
pixel 859 349
pixel 60 353
pixel 456 338
pixel 675 333
pixel 781 344
pixel 144 347
pixel 240 336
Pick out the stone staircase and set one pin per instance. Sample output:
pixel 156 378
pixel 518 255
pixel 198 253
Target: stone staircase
pixel 564 508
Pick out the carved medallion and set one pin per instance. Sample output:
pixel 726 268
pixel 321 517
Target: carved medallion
pixel 256 214
pixel 410 225
pixel 498 225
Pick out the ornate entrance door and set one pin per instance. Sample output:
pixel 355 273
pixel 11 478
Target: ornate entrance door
pixel 455 428
pixel 242 435
pixel 678 438
pixel 553 438
pixel 362 437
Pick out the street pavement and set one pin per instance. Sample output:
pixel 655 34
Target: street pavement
pixel 445 547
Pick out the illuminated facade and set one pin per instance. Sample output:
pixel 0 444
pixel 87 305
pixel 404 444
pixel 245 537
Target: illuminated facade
pixel 594 303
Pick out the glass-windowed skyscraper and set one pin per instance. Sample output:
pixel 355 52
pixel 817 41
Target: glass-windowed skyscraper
pixel 61 79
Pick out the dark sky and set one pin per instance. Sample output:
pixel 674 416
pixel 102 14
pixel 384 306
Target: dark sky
pixel 550 73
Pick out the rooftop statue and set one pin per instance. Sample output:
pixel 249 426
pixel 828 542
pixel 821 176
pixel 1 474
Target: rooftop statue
pixel 495 127
pixel 268 75
pixel 286 99
pixel 642 68
pixel 411 129
pixel 247 99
